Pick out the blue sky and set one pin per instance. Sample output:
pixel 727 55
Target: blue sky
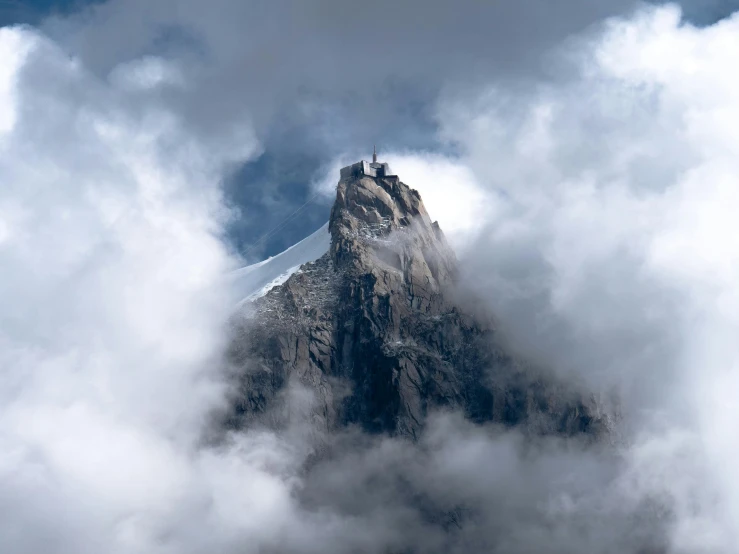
pixel 32 11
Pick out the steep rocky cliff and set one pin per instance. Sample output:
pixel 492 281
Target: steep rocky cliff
pixel 373 331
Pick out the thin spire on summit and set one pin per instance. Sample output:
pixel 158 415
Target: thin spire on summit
pixel 374 154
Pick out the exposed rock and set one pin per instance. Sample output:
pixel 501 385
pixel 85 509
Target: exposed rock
pixel 371 329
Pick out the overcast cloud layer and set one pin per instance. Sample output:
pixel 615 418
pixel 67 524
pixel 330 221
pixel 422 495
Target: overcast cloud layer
pixel 320 78
pixel 323 77
pixel 611 255
pixel 602 236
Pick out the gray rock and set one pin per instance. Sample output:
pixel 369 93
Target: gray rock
pixel 372 329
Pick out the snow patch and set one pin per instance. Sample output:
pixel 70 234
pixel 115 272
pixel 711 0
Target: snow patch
pixel 256 280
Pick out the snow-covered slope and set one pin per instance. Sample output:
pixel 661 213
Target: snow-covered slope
pixel 256 280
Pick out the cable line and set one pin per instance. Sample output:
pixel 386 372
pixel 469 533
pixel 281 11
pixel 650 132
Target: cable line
pixel 281 225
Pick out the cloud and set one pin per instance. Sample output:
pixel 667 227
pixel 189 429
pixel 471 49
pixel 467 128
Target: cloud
pixel 112 320
pixel 146 74
pixel 594 214
pixel 312 82
pixel 450 192
pixel 13 52
pixel 613 256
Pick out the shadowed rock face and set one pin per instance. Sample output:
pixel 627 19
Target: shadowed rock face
pixel 372 330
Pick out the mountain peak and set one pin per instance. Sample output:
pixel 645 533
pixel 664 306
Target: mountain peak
pixel 379 224
pixel 371 329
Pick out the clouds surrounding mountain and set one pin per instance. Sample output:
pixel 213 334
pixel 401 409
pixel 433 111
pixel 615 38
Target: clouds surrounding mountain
pixel 596 218
pixel 323 78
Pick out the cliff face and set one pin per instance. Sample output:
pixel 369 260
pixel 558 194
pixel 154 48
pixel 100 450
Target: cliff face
pixel 372 330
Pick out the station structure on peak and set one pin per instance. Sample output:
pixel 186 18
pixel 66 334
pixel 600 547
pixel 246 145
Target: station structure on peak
pixel 369 169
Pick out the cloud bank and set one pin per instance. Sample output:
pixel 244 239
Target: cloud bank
pixel 595 216
pixel 611 256
pixel 319 78
pixel 111 321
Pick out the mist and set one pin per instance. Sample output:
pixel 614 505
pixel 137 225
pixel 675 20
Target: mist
pixel 593 214
pixel 316 80
pixel 609 256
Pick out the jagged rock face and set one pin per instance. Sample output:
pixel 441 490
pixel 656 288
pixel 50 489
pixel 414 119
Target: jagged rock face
pixel 371 330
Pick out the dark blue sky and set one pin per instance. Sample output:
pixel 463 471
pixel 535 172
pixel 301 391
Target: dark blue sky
pixel 33 11
pixel 307 102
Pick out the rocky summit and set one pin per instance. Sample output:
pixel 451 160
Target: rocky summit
pixel 373 331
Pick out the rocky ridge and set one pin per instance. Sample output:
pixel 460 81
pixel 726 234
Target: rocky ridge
pixel 373 331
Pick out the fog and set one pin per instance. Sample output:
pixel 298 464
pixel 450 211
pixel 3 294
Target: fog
pixel 593 213
pixel 609 254
pixel 315 79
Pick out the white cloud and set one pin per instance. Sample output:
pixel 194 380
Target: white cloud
pixel 112 321
pixel 146 73
pixel 597 216
pixel 623 267
pixel 609 252
pixel 13 51
pixel 450 193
